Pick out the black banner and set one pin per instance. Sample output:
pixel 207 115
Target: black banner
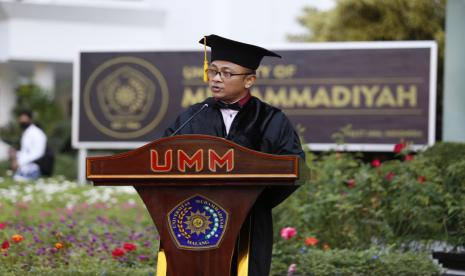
pixel 365 96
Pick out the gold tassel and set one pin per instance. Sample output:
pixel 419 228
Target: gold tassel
pixel 205 60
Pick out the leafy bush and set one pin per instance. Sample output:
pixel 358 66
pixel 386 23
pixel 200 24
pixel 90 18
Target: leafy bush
pixel 65 165
pixel 348 263
pixel 4 167
pixel 444 154
pixel 408 202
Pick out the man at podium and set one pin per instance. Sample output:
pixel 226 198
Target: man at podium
pixel 233 113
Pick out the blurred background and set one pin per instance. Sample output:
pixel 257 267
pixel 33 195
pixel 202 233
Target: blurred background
pixel 406 200
pixel 39 39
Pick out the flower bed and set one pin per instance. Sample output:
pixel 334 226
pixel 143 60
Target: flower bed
pixel 60 228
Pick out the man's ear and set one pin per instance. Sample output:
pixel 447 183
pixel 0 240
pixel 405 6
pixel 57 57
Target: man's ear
pixel 250 80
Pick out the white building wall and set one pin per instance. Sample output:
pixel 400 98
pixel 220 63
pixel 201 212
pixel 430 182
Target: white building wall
pixel 59 41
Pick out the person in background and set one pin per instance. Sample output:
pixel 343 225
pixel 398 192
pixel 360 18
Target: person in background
pixel 34 158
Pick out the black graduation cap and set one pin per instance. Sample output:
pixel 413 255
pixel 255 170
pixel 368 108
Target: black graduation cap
pixel 243 54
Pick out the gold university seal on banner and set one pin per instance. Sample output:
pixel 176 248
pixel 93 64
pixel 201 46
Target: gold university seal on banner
pixel 125 97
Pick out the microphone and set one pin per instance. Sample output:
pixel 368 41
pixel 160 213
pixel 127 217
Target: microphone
pixel 188 120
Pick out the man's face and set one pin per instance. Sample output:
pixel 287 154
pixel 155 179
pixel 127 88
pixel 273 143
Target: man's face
pixel 233 89
pixel 24 121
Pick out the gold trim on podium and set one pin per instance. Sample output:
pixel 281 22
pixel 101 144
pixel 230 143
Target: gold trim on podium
pixel 244 248
pixel 161 263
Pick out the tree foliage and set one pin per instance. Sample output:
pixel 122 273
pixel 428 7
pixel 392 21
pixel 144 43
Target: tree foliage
pixel 380 20
pixel 362 20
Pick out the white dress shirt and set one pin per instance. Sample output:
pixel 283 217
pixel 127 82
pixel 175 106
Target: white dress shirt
pixel 228 117
pixel 33 144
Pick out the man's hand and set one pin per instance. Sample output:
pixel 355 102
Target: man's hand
pixel 13 160
pixel 14 164
pixel 12 153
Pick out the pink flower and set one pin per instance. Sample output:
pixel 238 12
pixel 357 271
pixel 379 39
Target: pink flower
pixel 288 232
pixel 390 176
pixel 351 183
pixel 129 246
pixel 2 226
pixel 399 147
pixel 375 163
pixel 291 270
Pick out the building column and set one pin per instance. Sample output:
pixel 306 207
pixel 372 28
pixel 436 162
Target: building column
pixel 454 81
pixel 44 76
pixel 7 101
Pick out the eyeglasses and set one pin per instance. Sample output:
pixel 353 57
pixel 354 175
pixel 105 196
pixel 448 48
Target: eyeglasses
pixel 211 73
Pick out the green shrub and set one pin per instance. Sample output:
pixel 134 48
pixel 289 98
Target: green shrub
pixel 350 262
pixel 350 204
pixel 65 165
pixel 4 167
pixel 444 154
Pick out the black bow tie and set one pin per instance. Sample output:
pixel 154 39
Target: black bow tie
pixel 222 105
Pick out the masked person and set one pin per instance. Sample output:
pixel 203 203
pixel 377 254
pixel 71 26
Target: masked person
pixel 233 113
pixel 34 158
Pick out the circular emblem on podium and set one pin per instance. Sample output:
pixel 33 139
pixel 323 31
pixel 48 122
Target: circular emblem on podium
pixel 125 97
pixel 197 223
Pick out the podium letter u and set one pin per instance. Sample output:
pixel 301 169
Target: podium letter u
pixel 155 162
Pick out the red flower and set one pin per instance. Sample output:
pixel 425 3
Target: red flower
pixel 17 238
pixel 2 226
pixel 390 176
pixel 399 147
pixel 408 157
pixel 118 252
pixel 5 244
pixel 129 246
pixel 311 241
pixel 375 163
pixel 288 232
pixel 421 179
pixel 351 183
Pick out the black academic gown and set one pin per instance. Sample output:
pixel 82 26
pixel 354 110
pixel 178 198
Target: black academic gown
pixel 258 126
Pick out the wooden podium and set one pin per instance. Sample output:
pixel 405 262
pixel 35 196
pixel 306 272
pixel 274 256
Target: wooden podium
pixel 199 191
